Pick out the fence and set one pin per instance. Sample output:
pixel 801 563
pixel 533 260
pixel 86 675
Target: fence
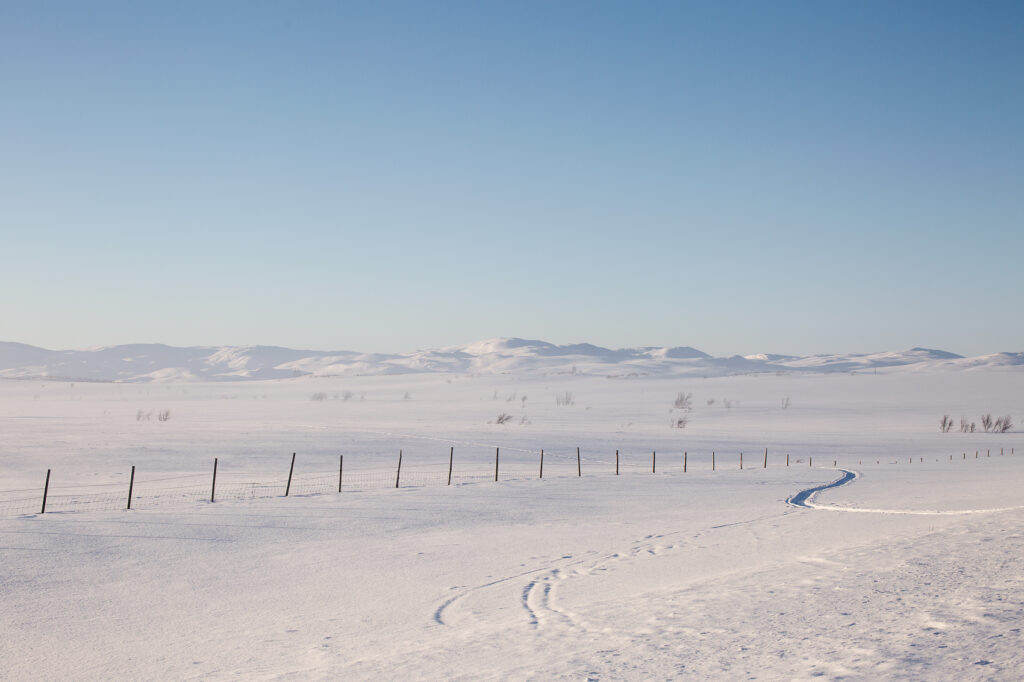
pixel 193 489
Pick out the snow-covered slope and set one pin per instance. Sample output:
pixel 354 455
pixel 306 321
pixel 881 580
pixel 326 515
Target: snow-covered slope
pixel 157 362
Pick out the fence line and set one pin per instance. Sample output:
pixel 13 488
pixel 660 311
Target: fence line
pixel 142 494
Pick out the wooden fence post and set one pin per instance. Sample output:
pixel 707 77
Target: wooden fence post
pixel 291 470
pixel 712 460
pixel 741 460
pixel 341 469
pixel 810 461
pixel 654 462
pixel 213 486
pixel 579 468
pixel 131 484
pixel 495 464
pixel 542 463
pixel 787 459
pixel 451 460
pixel 46 490
pixel 398 474
pixel 765 458
pixel 616 462
pixel 684 461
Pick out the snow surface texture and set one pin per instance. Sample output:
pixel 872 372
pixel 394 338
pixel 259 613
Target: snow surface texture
pixel 909 572
pixel 156 362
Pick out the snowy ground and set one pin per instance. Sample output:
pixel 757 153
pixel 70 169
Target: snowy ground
pixel 703 574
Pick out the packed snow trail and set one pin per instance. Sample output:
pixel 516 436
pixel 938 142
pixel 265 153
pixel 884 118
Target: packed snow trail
pixel 802 498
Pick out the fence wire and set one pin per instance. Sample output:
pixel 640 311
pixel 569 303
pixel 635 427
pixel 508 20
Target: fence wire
pixel 193 489
pixel 156 494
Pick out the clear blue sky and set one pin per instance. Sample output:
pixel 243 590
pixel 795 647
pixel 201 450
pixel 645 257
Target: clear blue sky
pixel 740 177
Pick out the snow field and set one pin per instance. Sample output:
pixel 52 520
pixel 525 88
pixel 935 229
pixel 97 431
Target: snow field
pixel 697 575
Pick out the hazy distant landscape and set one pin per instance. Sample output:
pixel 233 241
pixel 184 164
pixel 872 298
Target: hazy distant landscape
pixel 156 362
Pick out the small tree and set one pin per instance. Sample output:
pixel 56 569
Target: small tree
pixel 986 422
pixel 946 423
pixel 565 399
pixel 1003 424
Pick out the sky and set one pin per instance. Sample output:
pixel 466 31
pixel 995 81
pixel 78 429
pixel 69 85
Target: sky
pixel 741 177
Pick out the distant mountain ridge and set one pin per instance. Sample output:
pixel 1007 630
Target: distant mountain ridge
pixel 158 362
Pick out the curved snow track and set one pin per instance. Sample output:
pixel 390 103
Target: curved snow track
pixel 803 498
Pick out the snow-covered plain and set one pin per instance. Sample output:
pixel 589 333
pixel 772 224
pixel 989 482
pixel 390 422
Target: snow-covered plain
pixel 702 574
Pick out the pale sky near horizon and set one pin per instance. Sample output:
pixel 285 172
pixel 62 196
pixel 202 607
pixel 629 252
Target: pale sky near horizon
pixel 740 177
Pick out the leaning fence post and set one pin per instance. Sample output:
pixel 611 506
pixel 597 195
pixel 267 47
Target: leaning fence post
pixel 213 486
pixel 288 488
pixel 495 464
pixel 341 468
pixel 398 474
pixel 46 490
pixel 451 459
pixel 579 470
pixel 131 484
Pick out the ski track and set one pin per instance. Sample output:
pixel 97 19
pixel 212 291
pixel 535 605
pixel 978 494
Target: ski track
pixel 538 595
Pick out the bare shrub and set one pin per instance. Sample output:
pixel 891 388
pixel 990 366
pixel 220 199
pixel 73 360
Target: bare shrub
pixel 163 415
pixel 710 402
pixel 318 396
pixel 346 396
pixel 143 416
pixel 511 398
pixel 684 402
pixel 965 425
pixel 986 422
pixel 680 422
pixel 407 396
pixel 565 399
pixel 726 403
pixel 946 423
pixel 503 418
pixel 785 403
pixel 1003 424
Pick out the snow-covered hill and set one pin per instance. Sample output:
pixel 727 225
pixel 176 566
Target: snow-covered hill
pixel 157 362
